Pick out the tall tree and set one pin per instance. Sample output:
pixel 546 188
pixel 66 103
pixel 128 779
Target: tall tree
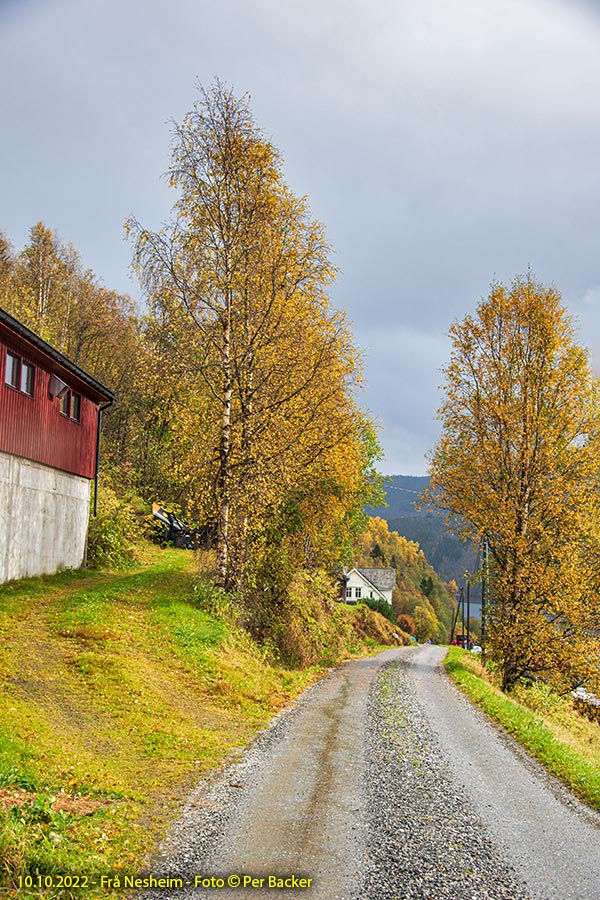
pixel 41 274
pixel 238 280
pixel 517 463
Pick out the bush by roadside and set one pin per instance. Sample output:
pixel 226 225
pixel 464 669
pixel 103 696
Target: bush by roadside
pixel 112 533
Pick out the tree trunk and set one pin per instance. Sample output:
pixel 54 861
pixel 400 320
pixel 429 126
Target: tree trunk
pixel 223 481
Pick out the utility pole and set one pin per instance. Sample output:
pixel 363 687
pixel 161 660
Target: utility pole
pixel 462 605
pixel 455 615
pixel 468 609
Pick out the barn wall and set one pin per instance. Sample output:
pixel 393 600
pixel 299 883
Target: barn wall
pixel 34 427
pixel 43 518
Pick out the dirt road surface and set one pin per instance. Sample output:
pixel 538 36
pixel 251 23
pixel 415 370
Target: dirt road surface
pixel 383 782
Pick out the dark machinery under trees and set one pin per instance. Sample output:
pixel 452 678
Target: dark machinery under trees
pixel 179 534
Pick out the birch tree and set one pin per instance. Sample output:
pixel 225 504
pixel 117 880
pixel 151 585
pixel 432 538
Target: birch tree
pixel 240 276
pixel 7 264
pixel 518 463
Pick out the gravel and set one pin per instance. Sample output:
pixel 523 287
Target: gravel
pixel 424 842
pixel 212 809
pixel 351 786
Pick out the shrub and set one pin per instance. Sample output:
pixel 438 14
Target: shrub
pixel 306 630
pixel 426 623
pixel 381 606
pixel 406 623
pixel 111 533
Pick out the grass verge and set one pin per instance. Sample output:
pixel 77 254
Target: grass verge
pixel 118 691
pixel 545 724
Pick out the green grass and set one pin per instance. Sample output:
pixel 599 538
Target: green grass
pixel 546 725
pixel 119 690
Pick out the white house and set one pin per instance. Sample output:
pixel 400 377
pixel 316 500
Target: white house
pixel 365 584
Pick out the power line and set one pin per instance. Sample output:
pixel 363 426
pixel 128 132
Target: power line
pixel 392 487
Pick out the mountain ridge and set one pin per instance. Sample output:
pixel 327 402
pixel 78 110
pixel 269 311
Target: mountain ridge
pixel 450 557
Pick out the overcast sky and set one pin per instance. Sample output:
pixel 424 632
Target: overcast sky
pixel 444 143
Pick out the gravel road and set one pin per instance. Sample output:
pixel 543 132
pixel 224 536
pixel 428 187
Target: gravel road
pixel 383 782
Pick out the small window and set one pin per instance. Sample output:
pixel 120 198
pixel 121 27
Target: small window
pixel 19 375
pixel 358 593
pixel 348 593
pixel 65 404
pixel 27 378
pixel 76 407
pixel 70 406
pixel 12 370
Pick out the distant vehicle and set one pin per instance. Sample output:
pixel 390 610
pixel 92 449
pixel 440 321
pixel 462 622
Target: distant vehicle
pixel 584 696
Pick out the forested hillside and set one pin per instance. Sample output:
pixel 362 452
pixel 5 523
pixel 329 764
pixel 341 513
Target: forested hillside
pixel 423 605
pixel 450 557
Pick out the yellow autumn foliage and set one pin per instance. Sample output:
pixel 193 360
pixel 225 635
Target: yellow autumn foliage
pixel 274 448
pixel 517 464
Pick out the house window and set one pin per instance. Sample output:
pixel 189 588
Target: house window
pixel 12 370
pixel 27 378
pixel 348 593
pixel 358 592
pixel 76 407
pixel 19 375
pixel 70 406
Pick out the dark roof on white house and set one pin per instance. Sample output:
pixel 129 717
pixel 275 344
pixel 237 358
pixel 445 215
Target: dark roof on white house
pixel 382 579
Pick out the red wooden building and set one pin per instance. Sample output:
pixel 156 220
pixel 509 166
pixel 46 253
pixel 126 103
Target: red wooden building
pixel 50 413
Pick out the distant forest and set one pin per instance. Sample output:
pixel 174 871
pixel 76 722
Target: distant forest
pixel 450 558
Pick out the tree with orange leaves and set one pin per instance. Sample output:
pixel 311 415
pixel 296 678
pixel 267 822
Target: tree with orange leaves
pixel 517 464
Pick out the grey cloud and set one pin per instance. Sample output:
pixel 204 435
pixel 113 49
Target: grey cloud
pixel 443 144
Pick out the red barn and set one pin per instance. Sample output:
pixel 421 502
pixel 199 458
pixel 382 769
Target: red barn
pixel 50 413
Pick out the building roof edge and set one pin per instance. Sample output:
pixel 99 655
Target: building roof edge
pixel 56 355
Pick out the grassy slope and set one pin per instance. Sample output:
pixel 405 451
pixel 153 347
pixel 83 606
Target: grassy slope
pixel 118 693
pixel 545 724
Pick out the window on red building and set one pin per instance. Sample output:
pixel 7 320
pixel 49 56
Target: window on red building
pixel 70 406
pixel 19 375
pixel 65 404
pixel 27 378
pixel 12 370
pixel 75 407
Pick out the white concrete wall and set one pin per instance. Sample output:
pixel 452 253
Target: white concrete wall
pixel 44 517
